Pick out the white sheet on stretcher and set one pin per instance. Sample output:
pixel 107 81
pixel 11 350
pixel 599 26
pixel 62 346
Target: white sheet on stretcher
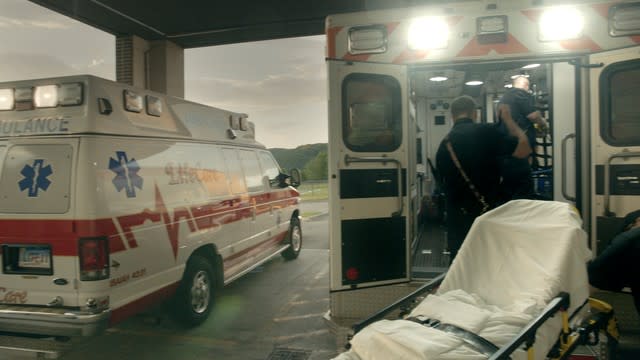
pixel 514 260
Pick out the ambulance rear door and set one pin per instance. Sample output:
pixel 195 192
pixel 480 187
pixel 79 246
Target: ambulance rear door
pixel 615 141
pixel 369 147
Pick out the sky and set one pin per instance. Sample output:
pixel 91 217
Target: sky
pixel 280 84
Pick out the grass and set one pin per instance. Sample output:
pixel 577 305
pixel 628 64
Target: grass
pixel 310 191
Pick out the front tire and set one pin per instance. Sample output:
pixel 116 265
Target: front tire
pixel 195 295
pixel 294 239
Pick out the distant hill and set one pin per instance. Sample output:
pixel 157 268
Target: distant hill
pixel 298 157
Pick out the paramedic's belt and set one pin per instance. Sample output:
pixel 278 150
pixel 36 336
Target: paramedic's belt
pixel 477 342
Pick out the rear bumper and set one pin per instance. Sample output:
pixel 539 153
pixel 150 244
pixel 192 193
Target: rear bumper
pixel 52 321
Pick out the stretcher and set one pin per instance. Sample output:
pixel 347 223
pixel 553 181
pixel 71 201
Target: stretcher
pixel 518 289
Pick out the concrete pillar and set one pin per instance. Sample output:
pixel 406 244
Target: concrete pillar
pixel 154 65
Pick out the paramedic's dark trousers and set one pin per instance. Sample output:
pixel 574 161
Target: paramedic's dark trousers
pixel 516 179
pixel 458 225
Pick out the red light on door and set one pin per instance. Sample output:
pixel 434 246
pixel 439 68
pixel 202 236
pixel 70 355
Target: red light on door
pixel 352 274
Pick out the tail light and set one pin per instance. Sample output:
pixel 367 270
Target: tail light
pixel 94 259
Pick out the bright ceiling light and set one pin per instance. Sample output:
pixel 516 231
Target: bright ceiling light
pixel 428 33
pixel 474 82
pixel 561 23
pixel 438 78
pixel 508 86
pixel 519 75
pixel 531 66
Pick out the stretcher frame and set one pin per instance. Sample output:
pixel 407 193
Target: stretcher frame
pixel 600 321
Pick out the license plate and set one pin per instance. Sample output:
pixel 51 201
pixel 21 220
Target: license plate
pixel 34 257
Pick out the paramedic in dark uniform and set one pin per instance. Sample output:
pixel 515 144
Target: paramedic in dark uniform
pixel 479 148
pixel 618 265
pixel 516 173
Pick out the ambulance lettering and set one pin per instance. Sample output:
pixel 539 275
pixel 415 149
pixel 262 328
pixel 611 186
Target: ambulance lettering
pixel 12 297
pixel 34 126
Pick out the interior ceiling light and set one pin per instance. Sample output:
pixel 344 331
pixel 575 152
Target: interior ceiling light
pixel 531 66
pixel 438 78
pixel 474 82
pixel 508 86
pixel 519 75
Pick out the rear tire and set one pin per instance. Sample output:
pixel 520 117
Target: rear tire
pixel 195 295
pixel 294 239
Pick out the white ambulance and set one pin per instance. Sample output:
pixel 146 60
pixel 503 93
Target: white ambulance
pixel 392 75
pixel 114 198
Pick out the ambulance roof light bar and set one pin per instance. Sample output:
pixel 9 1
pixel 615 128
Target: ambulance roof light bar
pixel 560 23
pixel 41 96
pixel 428 33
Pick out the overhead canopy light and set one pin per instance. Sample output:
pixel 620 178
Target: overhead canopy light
pixel 560 23
pixel 624 19
pixel 428 33
pixel 368 39
pixel 531 66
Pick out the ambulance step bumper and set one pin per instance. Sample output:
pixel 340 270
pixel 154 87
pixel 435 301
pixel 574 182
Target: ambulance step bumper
pixel 52 321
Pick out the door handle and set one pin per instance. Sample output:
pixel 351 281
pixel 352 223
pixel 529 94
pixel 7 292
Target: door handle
pixel 624 155
pixel 564 167
pixel 382 159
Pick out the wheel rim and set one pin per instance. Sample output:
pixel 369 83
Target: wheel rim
pixel 296 238
pixel 200 292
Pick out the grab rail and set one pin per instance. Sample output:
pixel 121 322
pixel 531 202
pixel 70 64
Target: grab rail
pixel 564 167
pixel 383 159
pixel 626 154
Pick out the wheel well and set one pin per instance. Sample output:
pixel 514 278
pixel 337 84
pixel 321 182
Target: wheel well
pixel 210 252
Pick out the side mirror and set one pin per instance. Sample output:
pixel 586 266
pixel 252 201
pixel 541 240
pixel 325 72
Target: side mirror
pixel 295 179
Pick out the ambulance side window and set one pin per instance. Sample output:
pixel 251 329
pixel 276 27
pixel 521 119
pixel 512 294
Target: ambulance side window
pixel 270 169
pixel 620 95
pixel 252 172
pixel 236 177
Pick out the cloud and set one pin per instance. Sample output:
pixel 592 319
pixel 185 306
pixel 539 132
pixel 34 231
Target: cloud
pixel 303 84
pixel 23 66
pixel 6 22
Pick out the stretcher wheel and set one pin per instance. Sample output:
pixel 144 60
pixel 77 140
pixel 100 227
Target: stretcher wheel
pixel 294 239
pixel 195 295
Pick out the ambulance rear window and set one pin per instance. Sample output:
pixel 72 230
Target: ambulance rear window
pixel 36 179
pixel 619 116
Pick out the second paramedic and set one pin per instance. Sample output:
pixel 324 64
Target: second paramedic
pixel 468 161
pixel 517 181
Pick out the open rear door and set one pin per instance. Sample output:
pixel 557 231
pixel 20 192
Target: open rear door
pixel 615 141
pixel 369 147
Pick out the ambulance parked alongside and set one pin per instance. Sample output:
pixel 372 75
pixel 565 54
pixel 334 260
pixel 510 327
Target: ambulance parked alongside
pixel 113 199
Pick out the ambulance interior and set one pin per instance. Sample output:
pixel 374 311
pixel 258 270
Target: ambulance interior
pixel 433 88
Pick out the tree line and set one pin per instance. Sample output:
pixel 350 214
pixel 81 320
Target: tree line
pixel 311 159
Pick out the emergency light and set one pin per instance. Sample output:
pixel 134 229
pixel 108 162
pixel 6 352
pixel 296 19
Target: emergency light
pixel 42 96
pixel 560 23
pixel 428 33
pixel 154 106
pixel 132 101
pixel 46 96
pixel 6 99
pixel 368 39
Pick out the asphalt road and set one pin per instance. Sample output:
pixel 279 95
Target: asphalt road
pixel 274 310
